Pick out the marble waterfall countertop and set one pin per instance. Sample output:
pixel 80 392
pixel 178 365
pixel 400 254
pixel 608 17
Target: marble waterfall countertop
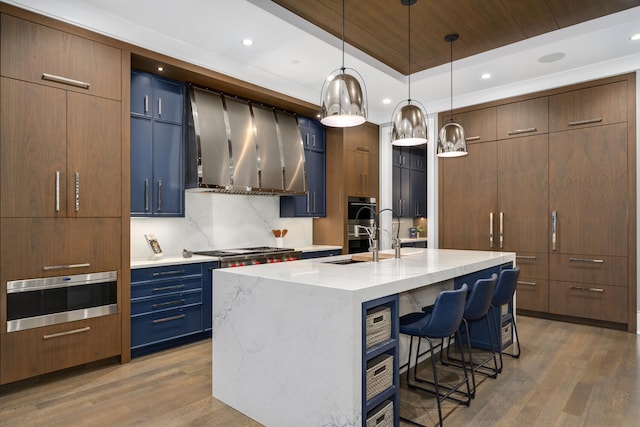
pixel 287 338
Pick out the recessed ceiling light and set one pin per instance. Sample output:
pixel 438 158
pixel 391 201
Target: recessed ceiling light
pixel 247 42
pixel 386 101
pixel 635 37
pixel 486 76
pixel 552 57
pixel 160 68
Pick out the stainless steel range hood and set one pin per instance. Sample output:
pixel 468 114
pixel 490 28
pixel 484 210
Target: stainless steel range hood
pixel 237 146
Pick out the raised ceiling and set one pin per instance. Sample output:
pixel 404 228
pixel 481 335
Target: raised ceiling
pixel 379 27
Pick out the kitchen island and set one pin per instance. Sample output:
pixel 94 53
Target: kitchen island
pixel 288 338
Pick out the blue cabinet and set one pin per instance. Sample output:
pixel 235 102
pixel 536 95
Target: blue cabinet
pixel 207 293
pixel 157 140
pixel 409 188
pixel 312 204
pixel 320 254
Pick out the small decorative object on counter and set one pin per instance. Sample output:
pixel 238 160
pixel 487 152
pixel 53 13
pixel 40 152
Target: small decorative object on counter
pixel 186 253
pixel 413 233
pixel 279 235
pixel 156 250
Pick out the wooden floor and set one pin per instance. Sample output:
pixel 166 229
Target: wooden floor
pixel 568 375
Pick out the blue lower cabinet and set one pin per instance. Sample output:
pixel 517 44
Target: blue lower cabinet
pixel 320 254
pixel 207 293
pixel 164 325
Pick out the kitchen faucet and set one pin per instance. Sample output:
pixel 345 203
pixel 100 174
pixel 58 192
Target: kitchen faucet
pixel 374 232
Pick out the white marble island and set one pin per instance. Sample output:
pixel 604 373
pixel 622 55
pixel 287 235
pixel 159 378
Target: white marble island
pixel 287 338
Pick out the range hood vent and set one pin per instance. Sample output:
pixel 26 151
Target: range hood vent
pixel 237 146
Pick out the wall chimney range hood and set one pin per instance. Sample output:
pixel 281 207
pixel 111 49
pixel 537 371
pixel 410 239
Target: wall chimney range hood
pixel 237 146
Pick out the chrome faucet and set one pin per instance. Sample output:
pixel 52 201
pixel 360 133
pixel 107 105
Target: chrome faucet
pixel 374 232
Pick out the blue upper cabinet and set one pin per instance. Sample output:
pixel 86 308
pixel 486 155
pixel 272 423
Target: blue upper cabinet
pixel 313 203
pixel 410 181
pixel 157 141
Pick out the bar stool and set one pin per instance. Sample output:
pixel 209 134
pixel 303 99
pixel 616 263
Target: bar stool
pixel 503 294
pixel 442 322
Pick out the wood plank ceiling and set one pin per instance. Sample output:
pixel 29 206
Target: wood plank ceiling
pixel 379 27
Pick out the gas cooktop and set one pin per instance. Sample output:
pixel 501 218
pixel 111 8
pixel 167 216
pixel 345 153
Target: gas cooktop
pixel 260 250
pixel 240 257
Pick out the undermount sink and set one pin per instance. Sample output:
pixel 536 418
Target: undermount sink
pixel 345 261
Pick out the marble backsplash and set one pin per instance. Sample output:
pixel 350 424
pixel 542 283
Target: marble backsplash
pixel 219 221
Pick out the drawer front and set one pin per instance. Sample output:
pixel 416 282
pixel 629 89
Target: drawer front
pixel 166 302
pixel 523 118
pixel 40 54
pixel 594 106
pixel 165 272
pixel 164 287
pixel 479 125
pixel 38 351
pixel 533 264
pixel 165 325
pixel 532 294
pixel 599 302
pixel 607 270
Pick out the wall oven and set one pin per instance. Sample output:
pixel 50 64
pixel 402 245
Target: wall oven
pixel 360 211
pixel 47 301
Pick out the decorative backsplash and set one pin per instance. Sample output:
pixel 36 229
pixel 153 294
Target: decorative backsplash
pixel 220 221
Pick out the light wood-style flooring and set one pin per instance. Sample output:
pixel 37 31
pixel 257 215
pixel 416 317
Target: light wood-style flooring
pixel 568 375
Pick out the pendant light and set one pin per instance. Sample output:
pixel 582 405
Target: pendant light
pixel 452 141
pixel 409 117
pixel 343 103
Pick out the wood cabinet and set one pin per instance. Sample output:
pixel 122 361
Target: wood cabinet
pixel 361 152
pixel 61 184
pixel 479 125
pixel 559 184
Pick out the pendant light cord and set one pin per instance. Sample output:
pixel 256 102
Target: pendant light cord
pixel 409 67
pixel 343 36
pixel 451 82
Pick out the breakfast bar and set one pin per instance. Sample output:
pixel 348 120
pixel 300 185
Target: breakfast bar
pixel 288 338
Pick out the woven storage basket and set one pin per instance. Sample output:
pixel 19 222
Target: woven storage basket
pixel 381 415
pixel 378 325
pixel 379 374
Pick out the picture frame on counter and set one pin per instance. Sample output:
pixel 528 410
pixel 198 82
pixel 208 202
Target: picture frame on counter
pixel 154 245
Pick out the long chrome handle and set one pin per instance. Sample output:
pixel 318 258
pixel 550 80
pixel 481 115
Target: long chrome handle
pixel 169 288
pixel 501 230
pixel 313 141
pixel 63 266
pixel 146 103
pixel 65 80
pixel 308 202
pixel 519 131
pixel 146 195
pixel 57 191
pixel 62 334
pixel 580 288
pixel 473 138
pixel 526 257
pixel 554 236
pixel 77 191
pixel 585 122
pixel 169 303
pixel 159 195
pixel 168 319
pixel 490 229
pixel 159 106
pixel 168 273
pixel 520 282
pixel 590 260
pixel 314 202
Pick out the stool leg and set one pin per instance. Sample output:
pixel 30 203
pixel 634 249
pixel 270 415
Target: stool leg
pixel 435 380
pixel 472 394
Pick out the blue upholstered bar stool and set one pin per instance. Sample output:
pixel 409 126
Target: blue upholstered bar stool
pixel 442 322
pixel 503 294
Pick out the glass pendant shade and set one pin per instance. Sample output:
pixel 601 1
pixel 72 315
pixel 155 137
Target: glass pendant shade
pixel 409 125
pixel 452 141
pixel 343 102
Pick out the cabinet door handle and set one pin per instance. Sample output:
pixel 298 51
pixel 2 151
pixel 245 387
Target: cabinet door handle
pixel 169 303
pixel 159 106
pixel 526 283
pixel 473 138
pixel 168 319
pixel 77 191
pixel 585 122
pixel 490 229
pixel 526 257
pixel 554 231
pixel 501 230
pixel 590 260
pixel 365 149
pixel 146 195
pixel 580 288
pixel 519 131
pixel 168 273
pixel 57 191
pixel 65 81
pixel 306 140
pixel 169 288
pixel 62 334
pixel 314 202
pixel 308 202
pixel 159 195
pixel 313 141
pixel 146 103
pixel 63 266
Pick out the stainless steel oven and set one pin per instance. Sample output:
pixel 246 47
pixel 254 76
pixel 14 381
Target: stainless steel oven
pixel 360 211
pixel 33 303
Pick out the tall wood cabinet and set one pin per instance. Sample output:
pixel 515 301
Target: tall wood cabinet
pixel 550 176
pixel 352 170
pixel 61 185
